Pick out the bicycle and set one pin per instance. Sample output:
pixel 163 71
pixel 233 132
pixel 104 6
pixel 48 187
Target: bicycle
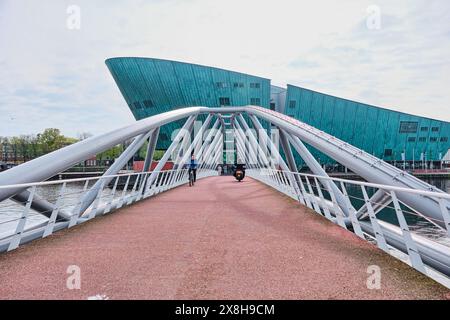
pixel 191 178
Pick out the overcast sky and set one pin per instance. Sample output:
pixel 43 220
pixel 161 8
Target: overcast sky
pixel 53 76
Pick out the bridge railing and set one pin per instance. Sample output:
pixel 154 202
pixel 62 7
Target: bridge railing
pixel 19 223
pixel 383 221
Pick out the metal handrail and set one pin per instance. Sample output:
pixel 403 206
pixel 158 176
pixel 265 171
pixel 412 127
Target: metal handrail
pixel 51 182
pixel 103 203
pixel 373 185
pixel 20 183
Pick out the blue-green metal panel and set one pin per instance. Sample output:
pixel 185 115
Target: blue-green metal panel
pixel 350 117
pixel 304 104
pixel 332 123
pixel 339 117
pixel 422 145
pixel 434 149
pixel 402 139
pixel 373 129
pixel 360 127
pixel 171 85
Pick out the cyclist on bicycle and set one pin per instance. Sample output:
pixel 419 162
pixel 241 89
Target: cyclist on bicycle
pixel 193 167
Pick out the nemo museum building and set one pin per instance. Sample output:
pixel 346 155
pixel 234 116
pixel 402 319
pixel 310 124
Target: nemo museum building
pixel 151 86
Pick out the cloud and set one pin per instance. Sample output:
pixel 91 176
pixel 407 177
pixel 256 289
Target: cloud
pixel 402 66
pixel 51 76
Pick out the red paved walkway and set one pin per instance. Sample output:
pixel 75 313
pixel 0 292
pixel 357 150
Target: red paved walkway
pixel 219 239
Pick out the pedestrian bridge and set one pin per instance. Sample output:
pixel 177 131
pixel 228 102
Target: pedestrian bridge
pixel 277 234
pixel 217 240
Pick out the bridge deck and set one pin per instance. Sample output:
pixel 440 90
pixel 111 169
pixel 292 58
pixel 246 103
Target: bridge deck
pixel 219 239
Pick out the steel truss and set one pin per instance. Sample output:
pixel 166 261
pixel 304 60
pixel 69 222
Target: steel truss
pixel 252 143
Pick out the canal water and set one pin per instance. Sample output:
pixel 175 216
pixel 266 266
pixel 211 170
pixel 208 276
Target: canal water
pixel 415 222
pixel 11 211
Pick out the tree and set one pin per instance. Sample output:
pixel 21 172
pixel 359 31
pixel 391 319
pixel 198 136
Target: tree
pixel 27 147
pixel 52 139
pixel 110 154
pixel 143 151
pixel 157 155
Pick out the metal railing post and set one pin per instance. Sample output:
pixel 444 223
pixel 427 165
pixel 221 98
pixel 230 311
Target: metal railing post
pixel 124 192
pixel 313 196
pixel 352 213
pixel 111 195
pixel 325 206
pixel 15 241
pixel 413 252
pixel 379 236
pixel 96 201
pixel 76 213
pixel 337 208
pixel 51 221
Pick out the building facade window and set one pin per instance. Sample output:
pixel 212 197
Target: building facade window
pixel 434 129
pixel 444 139
pixel 292 103
pixel 387 152
pixel 238 85
pixel 221 84
pixel 423 129
pixel 272 106
pixel 422 139
pixel 224 101
pixel 90 163
pixel 408 126
pixel 255 101
pixel 433 139
pixel 148 103
pixel 411 139
pixel 255 85
pixel 137 105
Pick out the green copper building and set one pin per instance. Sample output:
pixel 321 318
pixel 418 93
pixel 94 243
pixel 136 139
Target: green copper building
pixel 151 86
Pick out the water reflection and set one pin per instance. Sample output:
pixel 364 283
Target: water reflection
pixel 10 211
pixel 415 222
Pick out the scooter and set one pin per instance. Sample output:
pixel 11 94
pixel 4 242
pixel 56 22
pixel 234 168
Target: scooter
pixel 239 175
pixel 239 172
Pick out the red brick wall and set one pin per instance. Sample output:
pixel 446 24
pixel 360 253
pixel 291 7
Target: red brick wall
pixel 138 165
